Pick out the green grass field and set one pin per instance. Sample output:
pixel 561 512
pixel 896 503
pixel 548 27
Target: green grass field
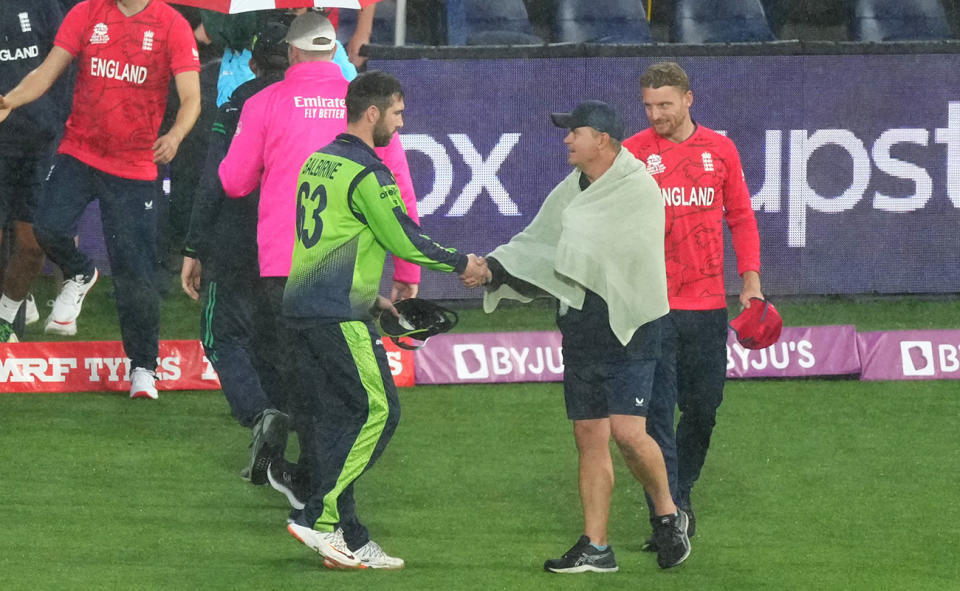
pixel 812 484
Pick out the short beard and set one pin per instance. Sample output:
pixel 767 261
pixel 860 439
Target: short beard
pixel 381 136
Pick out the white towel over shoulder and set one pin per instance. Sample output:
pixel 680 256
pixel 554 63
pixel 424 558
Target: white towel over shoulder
pixel 607 238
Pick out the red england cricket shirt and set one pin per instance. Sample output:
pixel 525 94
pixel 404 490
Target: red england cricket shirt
pixel 124 69
pixel 702 184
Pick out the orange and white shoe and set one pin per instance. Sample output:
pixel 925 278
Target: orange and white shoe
pixel 329 544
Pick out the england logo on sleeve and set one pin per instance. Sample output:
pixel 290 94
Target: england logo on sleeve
pixel 655 164
pixel 100 35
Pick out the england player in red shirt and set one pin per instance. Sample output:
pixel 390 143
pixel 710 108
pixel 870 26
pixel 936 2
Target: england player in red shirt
pixel 702 185
pixel 126 52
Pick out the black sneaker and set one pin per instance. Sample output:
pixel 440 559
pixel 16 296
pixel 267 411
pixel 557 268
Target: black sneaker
pixel 582 558
pixel 673 545
pixel 286 478
pixel 650 544
pixel 268 443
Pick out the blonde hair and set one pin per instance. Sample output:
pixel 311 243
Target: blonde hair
pixel 665 74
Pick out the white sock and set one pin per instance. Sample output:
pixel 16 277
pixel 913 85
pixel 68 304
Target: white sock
pixel 9 308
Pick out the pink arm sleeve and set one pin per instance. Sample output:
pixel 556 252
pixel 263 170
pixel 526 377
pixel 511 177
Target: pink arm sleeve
pixel 396 160
pixel 240 170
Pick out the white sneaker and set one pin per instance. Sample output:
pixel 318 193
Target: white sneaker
pixel 32 315
pixel 66 308
pixel 329 544
pixel 371 555
pixel 143 383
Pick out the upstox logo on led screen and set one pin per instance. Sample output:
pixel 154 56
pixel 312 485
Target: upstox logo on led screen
pixel 853 191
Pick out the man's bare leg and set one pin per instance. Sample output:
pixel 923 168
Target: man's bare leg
pixel 596 476
pixel 644 458
pixel 24 264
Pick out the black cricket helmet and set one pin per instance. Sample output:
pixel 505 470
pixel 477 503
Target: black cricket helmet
pixel 419 320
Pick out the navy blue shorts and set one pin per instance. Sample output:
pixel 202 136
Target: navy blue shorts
pixel 598 390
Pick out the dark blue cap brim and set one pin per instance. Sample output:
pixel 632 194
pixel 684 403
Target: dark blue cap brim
pixel 562 120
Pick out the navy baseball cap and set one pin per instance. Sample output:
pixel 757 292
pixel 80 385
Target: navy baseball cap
pixel 596 114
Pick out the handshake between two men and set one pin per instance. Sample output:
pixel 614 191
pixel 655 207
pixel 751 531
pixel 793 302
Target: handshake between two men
pixel 477 272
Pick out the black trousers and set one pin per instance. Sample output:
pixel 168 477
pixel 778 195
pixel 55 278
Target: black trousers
pixel 242 337
pixel 128 211
pixel 691 377
pixel 348 393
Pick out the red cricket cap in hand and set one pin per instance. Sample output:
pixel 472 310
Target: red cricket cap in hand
pixel 758 326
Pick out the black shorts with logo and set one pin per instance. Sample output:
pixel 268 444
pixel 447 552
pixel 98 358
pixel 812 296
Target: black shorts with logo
pixel 600 389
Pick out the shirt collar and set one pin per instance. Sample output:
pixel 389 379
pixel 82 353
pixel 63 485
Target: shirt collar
pixel 353 140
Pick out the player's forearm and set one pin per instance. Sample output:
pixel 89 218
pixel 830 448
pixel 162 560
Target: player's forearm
pixel 208 198
pixel 188 90
pixel 187 116
pixel 203 218
pixel 30 89
pixel 751 280
pixel 408 243
pixel 240 171
pixel 38 81
pixel 500 276
pixel 361 34
pixel 241 168
pixel 751 288
pixel 746 247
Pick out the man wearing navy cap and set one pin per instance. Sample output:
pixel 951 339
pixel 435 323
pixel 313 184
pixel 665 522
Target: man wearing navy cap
pixel 596 246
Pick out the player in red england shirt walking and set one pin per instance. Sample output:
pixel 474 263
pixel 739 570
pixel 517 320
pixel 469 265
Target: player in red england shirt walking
pixel 126 52
pixel 702 184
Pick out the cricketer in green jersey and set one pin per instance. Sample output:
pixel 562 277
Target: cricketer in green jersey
pixel 349 213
